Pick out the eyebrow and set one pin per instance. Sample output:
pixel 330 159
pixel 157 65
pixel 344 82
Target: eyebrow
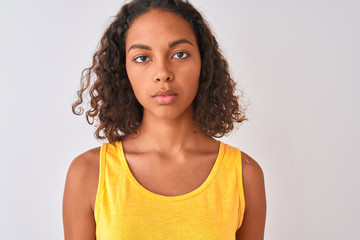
pixel 139 46
pixel 180 42
pixel 172 44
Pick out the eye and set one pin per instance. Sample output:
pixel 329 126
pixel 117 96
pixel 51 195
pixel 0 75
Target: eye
pixel 181 55
pixel 141 59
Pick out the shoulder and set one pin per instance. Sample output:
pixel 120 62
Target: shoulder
pixel 253 178
pixel 80 187
pixel 86 159
pixel 251 168
pixel 83 174
pixel 255 200
pixel 252 173
pixel 85 164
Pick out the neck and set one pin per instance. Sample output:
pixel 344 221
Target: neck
pixel 168 135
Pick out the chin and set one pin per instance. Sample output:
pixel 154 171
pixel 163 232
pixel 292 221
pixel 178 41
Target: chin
pixel 171 113
pixel 167 114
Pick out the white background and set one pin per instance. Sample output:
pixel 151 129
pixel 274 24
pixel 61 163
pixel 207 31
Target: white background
pixel 297 62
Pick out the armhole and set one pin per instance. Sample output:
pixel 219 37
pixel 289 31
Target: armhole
pixel 241 189
pixel 101 183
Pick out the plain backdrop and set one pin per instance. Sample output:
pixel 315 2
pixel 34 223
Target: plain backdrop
pixel 296 61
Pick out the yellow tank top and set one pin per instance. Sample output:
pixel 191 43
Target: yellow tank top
pixel 124 209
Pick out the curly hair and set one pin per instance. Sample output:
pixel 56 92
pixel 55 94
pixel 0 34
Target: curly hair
pixel 113 104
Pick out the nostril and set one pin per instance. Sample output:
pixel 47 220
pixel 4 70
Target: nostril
pixel 168 78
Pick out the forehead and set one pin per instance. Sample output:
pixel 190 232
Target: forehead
pixel 158 27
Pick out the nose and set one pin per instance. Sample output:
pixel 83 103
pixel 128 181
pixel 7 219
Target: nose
pixel 163 73
pixel 166 79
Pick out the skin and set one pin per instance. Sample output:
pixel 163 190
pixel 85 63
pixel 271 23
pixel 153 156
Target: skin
pixel 168 141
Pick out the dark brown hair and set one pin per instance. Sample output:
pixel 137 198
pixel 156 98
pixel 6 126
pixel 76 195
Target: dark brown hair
pixel 113 103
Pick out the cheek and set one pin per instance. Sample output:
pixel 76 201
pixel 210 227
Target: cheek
pixel 135 79
pixel 139 89
pixel 192 78
pixel 136 85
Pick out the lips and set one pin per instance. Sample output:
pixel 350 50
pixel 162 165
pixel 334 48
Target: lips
pixel 165 96
pixel 164 93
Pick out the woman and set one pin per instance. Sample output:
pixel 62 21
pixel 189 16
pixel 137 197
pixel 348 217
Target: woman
pixel 162 91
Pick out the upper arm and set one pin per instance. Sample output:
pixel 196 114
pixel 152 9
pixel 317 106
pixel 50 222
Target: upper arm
pixel 253 225
pixel 78 216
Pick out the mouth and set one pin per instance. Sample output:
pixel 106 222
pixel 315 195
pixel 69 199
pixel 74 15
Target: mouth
pixel 165 96
pixel 168 92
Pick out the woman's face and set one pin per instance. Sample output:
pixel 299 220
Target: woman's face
pixel 163 63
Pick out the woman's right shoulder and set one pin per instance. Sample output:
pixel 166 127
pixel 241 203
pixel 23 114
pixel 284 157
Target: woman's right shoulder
pixel 83 173
pixel 84 169
pixel 86 162
pixel 79 194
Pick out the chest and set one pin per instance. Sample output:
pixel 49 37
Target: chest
pixel 127 212
pixel 171 178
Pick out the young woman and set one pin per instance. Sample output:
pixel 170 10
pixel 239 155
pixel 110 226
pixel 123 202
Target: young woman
pixel 161 93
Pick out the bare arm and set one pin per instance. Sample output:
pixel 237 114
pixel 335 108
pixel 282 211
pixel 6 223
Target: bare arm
pixel 78 215
pixel 253 225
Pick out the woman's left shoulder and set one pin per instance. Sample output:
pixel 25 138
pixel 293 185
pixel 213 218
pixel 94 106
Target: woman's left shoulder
pixel 250 166
pixel 255 200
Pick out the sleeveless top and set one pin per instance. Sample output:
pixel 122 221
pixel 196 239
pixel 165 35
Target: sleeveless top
pixel 124 209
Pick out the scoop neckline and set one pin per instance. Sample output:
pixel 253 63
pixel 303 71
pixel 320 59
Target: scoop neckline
pixel 195 192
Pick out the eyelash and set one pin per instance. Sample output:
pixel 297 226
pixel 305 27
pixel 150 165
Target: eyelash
pixel 183 52
pixel 186 54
